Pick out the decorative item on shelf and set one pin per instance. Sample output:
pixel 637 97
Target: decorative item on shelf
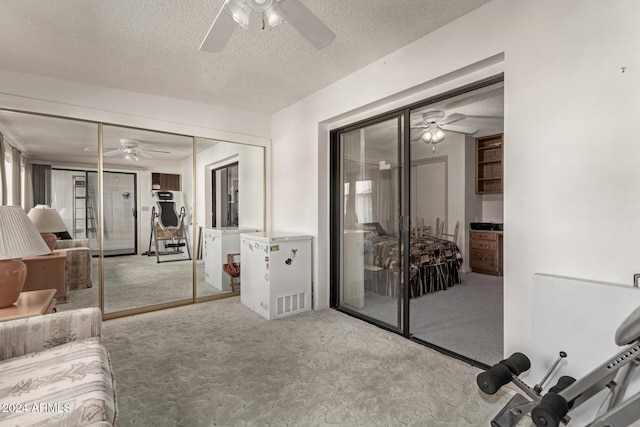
pixel 47 220
pixel 18 238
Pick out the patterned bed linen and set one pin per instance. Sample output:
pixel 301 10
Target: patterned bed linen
pixel 434 264
pixel 67 385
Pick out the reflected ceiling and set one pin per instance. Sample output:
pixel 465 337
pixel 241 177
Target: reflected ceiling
pixel 59 141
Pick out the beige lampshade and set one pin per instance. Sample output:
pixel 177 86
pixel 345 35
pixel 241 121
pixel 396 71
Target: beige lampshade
pixel 18 236
pixel 46 219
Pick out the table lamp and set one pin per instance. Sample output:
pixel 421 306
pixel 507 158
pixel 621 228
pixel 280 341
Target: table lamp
pixel 48 221
pixel 18 238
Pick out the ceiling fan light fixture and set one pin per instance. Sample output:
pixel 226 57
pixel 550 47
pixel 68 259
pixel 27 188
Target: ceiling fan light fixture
pixel 132 157
pixel 260 5
pixel 239 11
pixel 427 136
pixel 433 134
pixel 273 15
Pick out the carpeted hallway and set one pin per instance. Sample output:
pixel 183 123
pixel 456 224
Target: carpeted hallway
pixel 220 364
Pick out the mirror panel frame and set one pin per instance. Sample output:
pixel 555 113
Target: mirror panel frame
pixel 194 186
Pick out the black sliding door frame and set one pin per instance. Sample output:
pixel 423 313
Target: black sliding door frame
pixel 404 222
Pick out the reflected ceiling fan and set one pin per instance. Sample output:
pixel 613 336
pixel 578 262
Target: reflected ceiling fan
pixel 129 149
pixel 435 124
pixel 274 12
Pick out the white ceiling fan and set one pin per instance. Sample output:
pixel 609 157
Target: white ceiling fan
pixel 274 12
pixel 435 124
pixel 129 149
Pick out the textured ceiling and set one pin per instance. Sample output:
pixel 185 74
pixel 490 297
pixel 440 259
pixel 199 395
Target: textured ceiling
pixel 151 46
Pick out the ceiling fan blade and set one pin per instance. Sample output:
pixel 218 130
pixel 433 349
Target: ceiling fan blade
pixel 153 151
pixel 220 32
pixel 112 153
pixel 460 129
pixel 306 23
pixel 91 149
pixel 143 154
pixel 456 117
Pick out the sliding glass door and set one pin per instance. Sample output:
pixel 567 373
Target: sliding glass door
pixel 403 195
pixel 370 186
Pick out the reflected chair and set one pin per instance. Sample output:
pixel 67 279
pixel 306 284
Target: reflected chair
pixel 168 228
pixel 439 229
pixel 453 237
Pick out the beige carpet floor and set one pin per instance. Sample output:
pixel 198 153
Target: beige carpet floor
pixel 136 281
pixel 220 364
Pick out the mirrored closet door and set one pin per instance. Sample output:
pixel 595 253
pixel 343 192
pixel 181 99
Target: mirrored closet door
pixel 147 244
pixel 146 248
pixel 54 159
pixel 230 194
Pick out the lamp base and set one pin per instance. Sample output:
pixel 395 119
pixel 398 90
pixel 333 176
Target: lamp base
pixel 13 273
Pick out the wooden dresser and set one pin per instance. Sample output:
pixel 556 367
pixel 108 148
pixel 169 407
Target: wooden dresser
pixel 486 252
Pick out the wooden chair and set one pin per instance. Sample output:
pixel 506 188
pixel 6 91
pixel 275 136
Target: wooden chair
pixel 454 236
pixel 439 228
pixel 420 229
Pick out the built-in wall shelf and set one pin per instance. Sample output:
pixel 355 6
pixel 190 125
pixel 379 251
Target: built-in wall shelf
pixel 489 164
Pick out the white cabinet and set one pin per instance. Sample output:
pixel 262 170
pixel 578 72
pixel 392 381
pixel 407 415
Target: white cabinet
pixel 218 242
pixel 276 273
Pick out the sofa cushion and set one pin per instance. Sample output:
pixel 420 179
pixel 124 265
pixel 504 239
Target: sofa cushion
pixel 70 384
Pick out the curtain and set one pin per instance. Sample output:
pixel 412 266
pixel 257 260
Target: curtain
pixel 383 198
pixel 353 154
pixel 3 173
pixel 27 203
pixel 41 179
pixel 352 291
pixel 16 178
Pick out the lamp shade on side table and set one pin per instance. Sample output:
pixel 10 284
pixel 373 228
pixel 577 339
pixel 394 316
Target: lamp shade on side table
pixel 18 238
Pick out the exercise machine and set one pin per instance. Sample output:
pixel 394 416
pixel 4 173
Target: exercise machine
pixel 168 229
pixel 553 407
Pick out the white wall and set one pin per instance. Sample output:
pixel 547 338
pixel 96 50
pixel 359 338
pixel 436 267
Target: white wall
pixel 569 192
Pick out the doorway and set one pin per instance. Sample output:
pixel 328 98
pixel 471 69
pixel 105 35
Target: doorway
pixel 399 235
pixel 224 196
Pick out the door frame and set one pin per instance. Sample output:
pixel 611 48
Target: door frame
pixel 404 219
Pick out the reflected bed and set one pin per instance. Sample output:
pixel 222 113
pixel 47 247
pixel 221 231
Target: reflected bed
pixel 434 264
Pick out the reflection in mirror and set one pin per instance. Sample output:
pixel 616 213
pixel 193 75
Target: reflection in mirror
pixel 48 166
pixel 230 201
pixel 146 247
pixel 224 196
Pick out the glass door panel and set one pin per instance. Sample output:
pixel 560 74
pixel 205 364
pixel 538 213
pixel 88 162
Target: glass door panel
pixel 467 318
pixel 370 186
pixel 147 247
